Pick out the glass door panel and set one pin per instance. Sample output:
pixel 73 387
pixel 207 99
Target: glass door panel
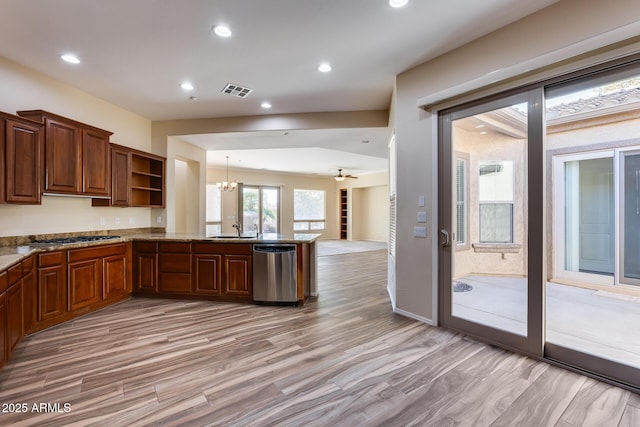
pixel 486 250
pixel 592 299
pixel 489 284
pixel 270 210
pixel 260 209
pixel 630 236
pixel 250 208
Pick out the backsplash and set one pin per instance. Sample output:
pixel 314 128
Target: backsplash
pixel 25 240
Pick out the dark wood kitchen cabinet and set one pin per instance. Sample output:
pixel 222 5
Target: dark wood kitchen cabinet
pixel 120 176
pixel 115 273
pixel 238 276
pixel 15 317
pixel 52 287
pixel 207 274
pixel 174 267
pixel 77 159
pixel 84 283
pixel 4 337
pixel 96 274
pixel 145 267
pixel 28 294
pixel 20 160
pixel 223 269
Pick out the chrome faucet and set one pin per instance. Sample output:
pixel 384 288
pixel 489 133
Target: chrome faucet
pixel 238 227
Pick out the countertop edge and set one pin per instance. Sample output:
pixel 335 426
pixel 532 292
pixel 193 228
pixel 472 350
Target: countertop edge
pixel 10 255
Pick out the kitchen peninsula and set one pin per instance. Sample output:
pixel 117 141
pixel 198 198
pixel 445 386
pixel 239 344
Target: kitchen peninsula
pixel 45 284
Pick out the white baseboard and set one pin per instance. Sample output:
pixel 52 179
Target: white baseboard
pixel 414 316
pixel 392 298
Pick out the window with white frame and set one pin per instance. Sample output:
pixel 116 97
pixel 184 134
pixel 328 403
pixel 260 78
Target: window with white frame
pixel 214 210
pixel 495 197
pixel 308 210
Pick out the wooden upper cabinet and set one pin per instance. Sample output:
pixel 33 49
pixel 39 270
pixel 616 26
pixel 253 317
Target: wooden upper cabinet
pixel 120 176
pixel 137 178
pixel 3 178
pixel 77 157
pixel 63 162
pixel 20 160
pixel 95 163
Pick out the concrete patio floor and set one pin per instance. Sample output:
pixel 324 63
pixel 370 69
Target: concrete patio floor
pixel 601 323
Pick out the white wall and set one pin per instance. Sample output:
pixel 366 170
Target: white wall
pixel 25 89
pixel 565 29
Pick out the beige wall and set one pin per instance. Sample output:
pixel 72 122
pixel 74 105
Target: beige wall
pixel 371 214
pixel 25 89
pixel 186 195
pixel 567 28
pixel 368 201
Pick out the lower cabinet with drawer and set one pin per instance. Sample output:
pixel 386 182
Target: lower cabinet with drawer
pixel 174 267
pixel 74 282
pixel 4 337
pixel 52 288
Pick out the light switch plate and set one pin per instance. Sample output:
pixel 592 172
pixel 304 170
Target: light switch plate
pixel 421 201
pixel 419 231
pixel 422 217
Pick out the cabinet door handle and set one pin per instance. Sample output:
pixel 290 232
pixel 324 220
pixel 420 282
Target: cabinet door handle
pixel 444 238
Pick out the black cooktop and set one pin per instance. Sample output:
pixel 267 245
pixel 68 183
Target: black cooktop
pixel 71 240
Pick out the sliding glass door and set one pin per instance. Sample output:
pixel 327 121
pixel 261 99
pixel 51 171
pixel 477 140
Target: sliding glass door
pixel 486 218
pixel 593 298
pixel 260 209
pixel 539 211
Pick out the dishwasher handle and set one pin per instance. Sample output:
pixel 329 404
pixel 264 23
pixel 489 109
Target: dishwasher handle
pixel 268 249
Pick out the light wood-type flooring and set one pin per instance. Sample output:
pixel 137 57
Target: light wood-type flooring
pixel 342 360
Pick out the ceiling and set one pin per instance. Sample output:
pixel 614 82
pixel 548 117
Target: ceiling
pixel 136 54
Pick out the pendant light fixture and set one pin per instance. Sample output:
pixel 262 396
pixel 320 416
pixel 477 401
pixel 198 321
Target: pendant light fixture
pixel 226 185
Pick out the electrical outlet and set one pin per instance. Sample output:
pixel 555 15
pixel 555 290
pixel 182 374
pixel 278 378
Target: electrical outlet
pixel 103 221
pixel 117 220
pixel 132 220
pixel 159 219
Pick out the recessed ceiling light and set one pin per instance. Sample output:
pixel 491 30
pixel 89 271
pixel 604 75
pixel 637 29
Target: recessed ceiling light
pixel 71 59
pixel 222 30
pixel 186 86
pixel 479 126
pixel 265 104
pixel 483 133
pixel 325 67
pixel 398 3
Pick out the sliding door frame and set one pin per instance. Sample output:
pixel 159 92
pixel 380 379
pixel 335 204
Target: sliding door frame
pixel 532 343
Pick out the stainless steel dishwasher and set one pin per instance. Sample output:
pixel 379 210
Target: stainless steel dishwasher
pixel 275 274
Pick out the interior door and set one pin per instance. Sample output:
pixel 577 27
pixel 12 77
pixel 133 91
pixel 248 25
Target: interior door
pixel 491 269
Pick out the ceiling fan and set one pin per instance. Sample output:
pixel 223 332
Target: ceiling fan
pixel 341 177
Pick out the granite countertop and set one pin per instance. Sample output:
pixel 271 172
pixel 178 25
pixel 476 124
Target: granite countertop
pixel 9 255
pixel 230 238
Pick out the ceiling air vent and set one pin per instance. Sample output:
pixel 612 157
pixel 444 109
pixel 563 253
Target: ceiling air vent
pixel 235 90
